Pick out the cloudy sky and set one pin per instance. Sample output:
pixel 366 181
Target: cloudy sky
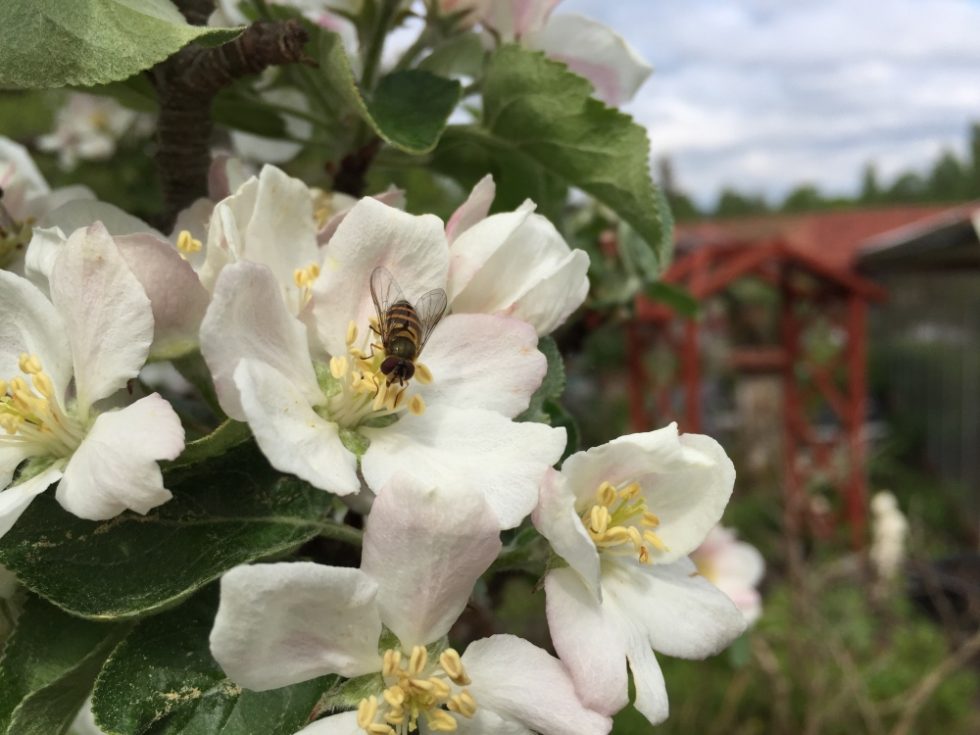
pixel 766 94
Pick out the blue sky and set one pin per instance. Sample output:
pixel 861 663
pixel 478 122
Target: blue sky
pixel 766 94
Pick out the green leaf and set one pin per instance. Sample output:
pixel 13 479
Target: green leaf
pixel 226 437
pixel 134 92
pixel 224 512
pixel 49 665
pixel 538 108
pixel 462 54
pixel 408 109
pixel 163 680
pixel 676 297
pixel 552 386
pixel 55 43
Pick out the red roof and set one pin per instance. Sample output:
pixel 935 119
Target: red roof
pixel 835 238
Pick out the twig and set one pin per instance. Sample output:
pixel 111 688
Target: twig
pixel 186 85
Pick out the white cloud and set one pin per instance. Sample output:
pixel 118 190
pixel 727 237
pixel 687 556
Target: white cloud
pixel 766 94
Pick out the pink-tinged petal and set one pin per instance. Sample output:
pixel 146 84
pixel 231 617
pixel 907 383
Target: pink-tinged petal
pixel 176 295
pixel 290 433
pixel 281 624
pixel 31 324
pixel 426 548
pixel 681 613
pixel 514 19
pixel 556 520
pixel 519 681
pixel 474 246
pixel 247 319
pixel 115 467
pixel 341 204
pixel 549 302
pixel 482 361
pixel 343 724
pixel 686 480
pixel 595 52
pixel 14 500
pixel 107 314
pixel 590 645
pixel 648 680
pixel 465 451
pixel 474 209
pixel 412 248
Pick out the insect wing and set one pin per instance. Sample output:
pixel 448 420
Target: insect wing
pixel 384 292
pixel 430 308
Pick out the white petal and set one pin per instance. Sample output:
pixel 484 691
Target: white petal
pixel 426 548
pixel 590 644
pixel 482 361
pixel 290 433
pixel 519 681
pixel 176 295
pixel 413 249
pixel 107 314
pixel 20 178
pixel 556 520
pixel 595 52
pixel 78 214
pixel 476 245
pixel 682 613
pixel 549 302
pixel 475 208
pixel 115 467
pixel 31 324
pixel 488 722
pixel 468 451
pixel 686 481
pixel 648 680
pixel 343 724
pixel 248 319
pixel 11 455
pixel 14 500
pixel 281 624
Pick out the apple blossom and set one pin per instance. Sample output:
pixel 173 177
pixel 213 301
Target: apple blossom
pixel 59 360
pixel 734 567
pixel 888 533
pixel 424 549
pixel 624 516
pixel 513 263
pixel 318 403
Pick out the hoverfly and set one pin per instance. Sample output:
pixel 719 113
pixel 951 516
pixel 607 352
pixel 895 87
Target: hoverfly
pixel 404 329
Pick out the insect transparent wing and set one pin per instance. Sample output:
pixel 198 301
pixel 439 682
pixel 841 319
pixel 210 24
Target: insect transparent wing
pixel 384 293
pixel 430 308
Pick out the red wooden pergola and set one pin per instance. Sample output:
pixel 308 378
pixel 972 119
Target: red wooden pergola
pixel 808 289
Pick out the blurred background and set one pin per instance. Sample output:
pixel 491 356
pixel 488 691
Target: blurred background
pixel 821 318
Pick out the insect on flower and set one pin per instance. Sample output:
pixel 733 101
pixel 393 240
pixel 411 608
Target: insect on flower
pixel 404 329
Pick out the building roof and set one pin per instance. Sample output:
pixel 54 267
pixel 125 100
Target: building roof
pixel 949 240
pixel 835 238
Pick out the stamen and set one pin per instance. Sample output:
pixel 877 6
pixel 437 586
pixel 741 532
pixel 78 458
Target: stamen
pixel 351 333
pixel 187 244
pixel 422 374
pixel 417 660
pixel 367 708
pixel 452 664
pixel 619 518
pixel 416 405
pixel 338 366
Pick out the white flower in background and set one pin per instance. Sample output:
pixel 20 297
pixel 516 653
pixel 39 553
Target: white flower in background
pixel 281 624
pixel 590 49
pixel 26 198
pixel 889 530
pixel 513 263
pixel 318 403
pixel 624 516
pixel 734 567
pixel 88 127
pixel 59 359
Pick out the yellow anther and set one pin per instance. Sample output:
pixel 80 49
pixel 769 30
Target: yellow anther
pixel 655 541
pixel 43 385
pixel 452 664
pixel 3 387
pixel 338 366
pixel 650 519
pixel 441 721
pixel 644 555
pixel 395 696
pixel 422 374
pixel 606 494
pixel 18 387
pixel 391 662
pixel 367 708
pixel 380 398
pixel 635 536
pixel 416 405
pixel 630 491
pixel 439 688
pixel 379 728
pixel 351 333
pixel 418 659
pixel 462 703
pixel 619 518
pixel 599 519
pixel 29 364
pixel 304 277
pixel 187 244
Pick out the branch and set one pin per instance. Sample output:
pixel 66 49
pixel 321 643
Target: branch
pixel 186 85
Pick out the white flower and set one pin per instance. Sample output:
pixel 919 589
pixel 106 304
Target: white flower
pixel 59 359
pixel 26 199
pixel 590 49
pixel 734 567
pixel 513 263
pixel 281 624
pixel 317 402
pixel 87 128
pixel 888 533
pixel 624 516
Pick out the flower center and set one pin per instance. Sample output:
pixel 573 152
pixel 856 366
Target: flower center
pixel 619 522
pixel 187 244
pixel 31 415
pixel 417 689
pixel 358 392
pixel 304 278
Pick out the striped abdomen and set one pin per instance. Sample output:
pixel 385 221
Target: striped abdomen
pixel 403 331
